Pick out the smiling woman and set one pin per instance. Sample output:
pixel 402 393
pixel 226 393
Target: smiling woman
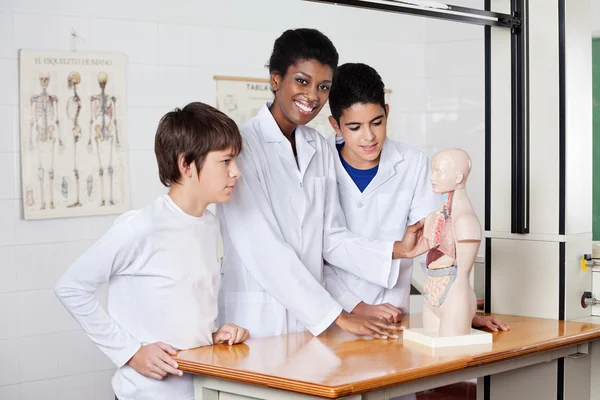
pixel 301 93
pixel 301 74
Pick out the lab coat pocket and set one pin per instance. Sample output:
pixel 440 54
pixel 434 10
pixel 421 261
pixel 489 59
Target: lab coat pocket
pixel 392 212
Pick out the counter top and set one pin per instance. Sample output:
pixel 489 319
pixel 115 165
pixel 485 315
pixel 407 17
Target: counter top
pixel 337 364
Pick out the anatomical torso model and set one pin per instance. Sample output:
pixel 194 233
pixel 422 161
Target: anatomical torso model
pixel 454 235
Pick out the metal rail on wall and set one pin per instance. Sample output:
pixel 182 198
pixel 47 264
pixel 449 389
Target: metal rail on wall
pixel 441 11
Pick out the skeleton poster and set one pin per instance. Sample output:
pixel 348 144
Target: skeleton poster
pixel 242 98
pixel 73 134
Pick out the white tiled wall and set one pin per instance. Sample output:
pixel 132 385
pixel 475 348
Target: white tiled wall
pixel 174 50
pixel 454 103
pixel 595 18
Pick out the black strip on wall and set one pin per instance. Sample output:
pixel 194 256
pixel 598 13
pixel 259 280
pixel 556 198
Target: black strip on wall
pixel 488 125
pixel 560 379
pixel 562 260
pixel 487 303
pixel 520 131
pixel 488 178
pixel 562 134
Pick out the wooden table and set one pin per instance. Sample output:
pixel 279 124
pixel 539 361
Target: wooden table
pixel 340 365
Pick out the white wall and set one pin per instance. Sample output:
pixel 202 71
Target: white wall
pixel 595 18
pixel 449 111
pixel 455 104
pixel 174 50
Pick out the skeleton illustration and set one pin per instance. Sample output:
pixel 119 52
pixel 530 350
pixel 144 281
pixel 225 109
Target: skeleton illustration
pixel 64 188
pixel 29 200
pixel 89 185
pixel 103 123
pixel 44 122
pixel 73 111
pixel 230 103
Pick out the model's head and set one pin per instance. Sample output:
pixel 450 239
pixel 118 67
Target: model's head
pixel 450 169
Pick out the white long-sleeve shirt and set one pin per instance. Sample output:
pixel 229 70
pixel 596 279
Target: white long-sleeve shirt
pixel 163 275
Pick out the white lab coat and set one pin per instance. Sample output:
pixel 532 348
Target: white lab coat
pixel 399 195
pixel 281 221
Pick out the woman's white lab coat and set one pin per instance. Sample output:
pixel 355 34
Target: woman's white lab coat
pixel 283 218
pixel 399 195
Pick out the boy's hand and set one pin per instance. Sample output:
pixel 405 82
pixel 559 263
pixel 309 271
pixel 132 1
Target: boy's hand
pixel 422 246
pixel 383 311
pixel 154 361
pixel 231 334
pixel 413 244
pixel 412 234
pixel 491 321
pixel 369 326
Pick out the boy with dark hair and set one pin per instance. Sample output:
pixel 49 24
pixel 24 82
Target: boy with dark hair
pixel 383 186
pixel 160 262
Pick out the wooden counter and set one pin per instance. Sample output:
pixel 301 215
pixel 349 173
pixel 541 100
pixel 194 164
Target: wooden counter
pixel 338 364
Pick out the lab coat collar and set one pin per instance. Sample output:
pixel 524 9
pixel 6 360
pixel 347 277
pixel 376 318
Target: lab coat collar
pixel 390 157
pixel 272 133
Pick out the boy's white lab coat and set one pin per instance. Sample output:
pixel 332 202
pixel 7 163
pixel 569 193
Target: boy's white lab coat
pixel 399 195
pixel 283 218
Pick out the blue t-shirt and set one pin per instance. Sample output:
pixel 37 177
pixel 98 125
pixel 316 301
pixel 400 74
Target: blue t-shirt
pixel 361 177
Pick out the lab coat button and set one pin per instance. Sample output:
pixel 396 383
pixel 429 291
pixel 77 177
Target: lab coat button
pixel 356 277
pixel 359 205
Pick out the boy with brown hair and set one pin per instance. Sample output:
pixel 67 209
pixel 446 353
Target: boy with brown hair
pixel 160 262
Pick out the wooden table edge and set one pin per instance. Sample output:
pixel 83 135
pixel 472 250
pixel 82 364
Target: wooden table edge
pixel 334 392
pixel 270 381
pixel 538 347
